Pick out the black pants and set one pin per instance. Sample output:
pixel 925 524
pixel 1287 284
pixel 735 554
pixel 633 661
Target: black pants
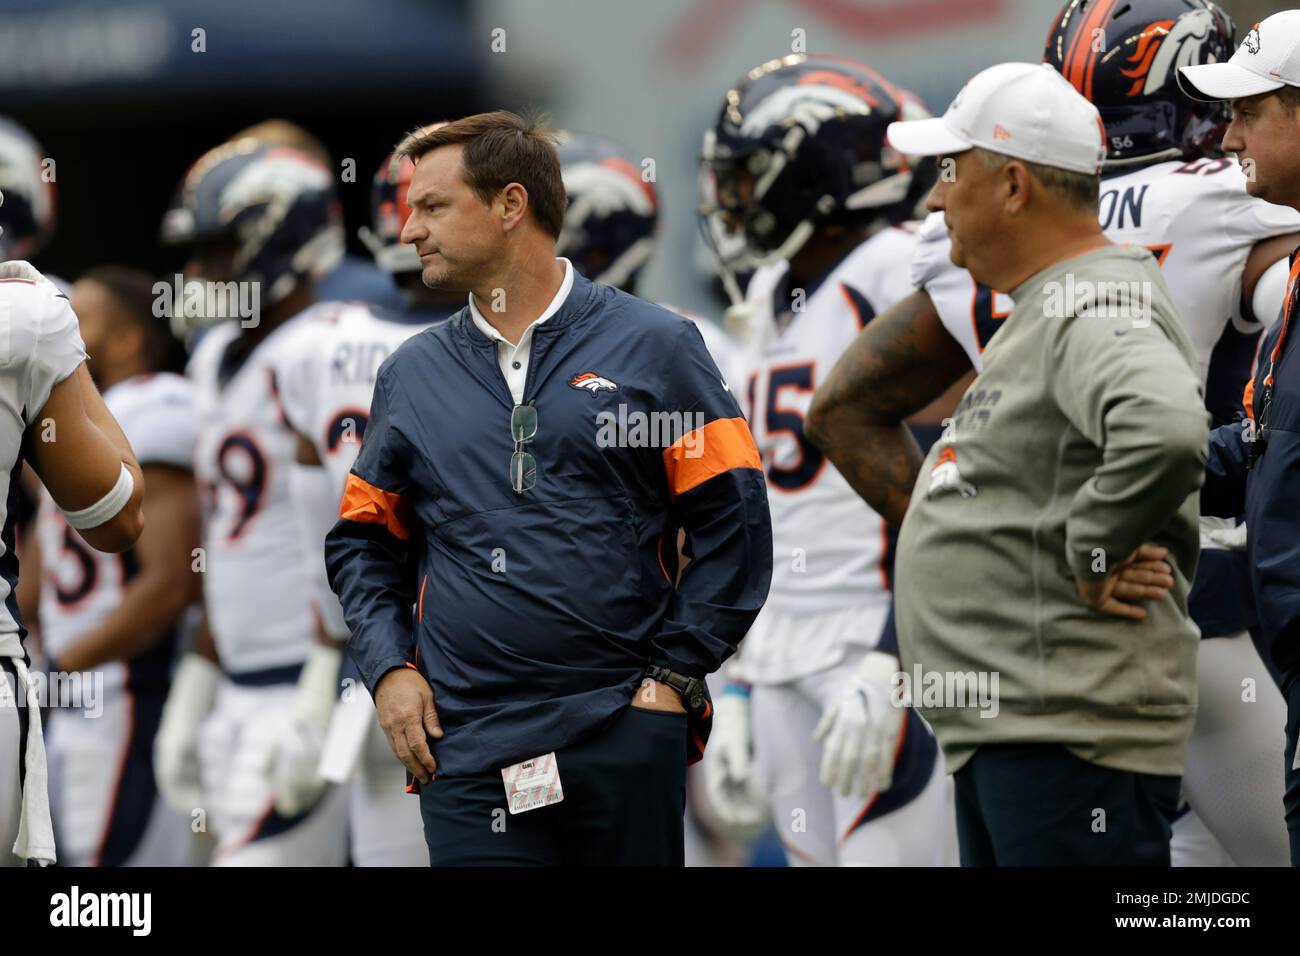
pixel 1040 805
pixel 624 797
pixel 1292 798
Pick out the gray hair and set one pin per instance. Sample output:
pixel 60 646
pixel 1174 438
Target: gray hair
pixel 1078 191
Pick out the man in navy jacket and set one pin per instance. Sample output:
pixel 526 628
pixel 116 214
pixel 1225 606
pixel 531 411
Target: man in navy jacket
pixel 523 477
pixel 1254 464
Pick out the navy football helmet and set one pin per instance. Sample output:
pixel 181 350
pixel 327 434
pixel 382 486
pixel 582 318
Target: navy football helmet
pixel 260 213
pixel 610 221
pixel 1131 75
pixel 27 210
pixel 799 143
pixel 388 214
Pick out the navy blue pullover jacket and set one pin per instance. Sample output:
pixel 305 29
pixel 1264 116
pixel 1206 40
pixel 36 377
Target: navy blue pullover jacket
pixel 1254 468
pixel 537 613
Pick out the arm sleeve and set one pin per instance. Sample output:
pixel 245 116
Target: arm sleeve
pixel 719 497
pixel 56 348
pixel 368 552
pixel 1130 391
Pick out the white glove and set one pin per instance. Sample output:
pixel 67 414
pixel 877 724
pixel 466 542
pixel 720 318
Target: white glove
pixel 729 770
pixel 175 748
pixel 859 730
pixel 295 763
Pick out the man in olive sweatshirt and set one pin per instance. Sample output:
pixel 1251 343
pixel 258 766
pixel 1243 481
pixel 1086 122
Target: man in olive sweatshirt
pixel 1052 533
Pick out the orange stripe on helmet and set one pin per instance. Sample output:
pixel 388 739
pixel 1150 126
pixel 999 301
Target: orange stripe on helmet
pixel 1082 57
pixel 723 444
pixel 1090 62
pixel 366 504
pixel 841 81
pixel 621 165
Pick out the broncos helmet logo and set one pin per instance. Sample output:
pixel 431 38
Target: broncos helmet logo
pixel 591 382
pixel 809 103
pixel 1163 47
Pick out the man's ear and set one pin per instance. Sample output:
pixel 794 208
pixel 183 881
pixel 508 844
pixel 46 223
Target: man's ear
pixel 513 202
pixel 1015 181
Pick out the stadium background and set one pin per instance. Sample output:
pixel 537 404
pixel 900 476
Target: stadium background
pixel 121 100
pixel 118 97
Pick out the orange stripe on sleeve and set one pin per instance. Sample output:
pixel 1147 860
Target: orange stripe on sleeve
pixel 364 503
pixel 719 446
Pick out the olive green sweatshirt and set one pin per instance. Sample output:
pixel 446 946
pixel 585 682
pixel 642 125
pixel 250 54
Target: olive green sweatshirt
pixel 1083 437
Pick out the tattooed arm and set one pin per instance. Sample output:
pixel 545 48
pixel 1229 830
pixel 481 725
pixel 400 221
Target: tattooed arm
pixel 899 363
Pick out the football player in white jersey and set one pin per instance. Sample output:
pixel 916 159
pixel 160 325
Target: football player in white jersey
pixel 326 382
pixel 260 223
pixel 55 419
pixel 800 167
pixel 27 221
pixel 1223 255
pixel 113 619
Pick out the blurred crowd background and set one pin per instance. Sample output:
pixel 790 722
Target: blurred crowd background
pixel 124 94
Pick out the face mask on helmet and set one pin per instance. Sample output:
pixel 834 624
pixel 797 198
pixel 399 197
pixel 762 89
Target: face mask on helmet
pixel 799 144
pixel 388 215
pixel 1132 78
pixel 254 215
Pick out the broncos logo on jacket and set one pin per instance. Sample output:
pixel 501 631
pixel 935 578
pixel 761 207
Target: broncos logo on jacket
pixel 593 383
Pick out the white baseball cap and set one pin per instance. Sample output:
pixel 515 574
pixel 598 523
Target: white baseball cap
pixel 1267 60
pixel 1025 110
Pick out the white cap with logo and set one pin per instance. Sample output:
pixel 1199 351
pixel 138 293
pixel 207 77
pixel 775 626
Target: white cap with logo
pixel 1024 110
pixel 1267 60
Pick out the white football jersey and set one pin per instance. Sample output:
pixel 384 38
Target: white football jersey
pixel 830 549
pixel 80 586
pixel 40 346
pixel 254 584
pixel 1196 218
pixel 327 379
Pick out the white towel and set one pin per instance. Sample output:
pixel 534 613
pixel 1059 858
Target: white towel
pixel 35 830
pixel 346 735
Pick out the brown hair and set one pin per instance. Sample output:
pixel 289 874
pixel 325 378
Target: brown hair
pixel 1289 97
pixel 502 148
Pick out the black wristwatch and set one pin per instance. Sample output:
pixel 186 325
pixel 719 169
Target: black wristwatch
pixel 692 690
